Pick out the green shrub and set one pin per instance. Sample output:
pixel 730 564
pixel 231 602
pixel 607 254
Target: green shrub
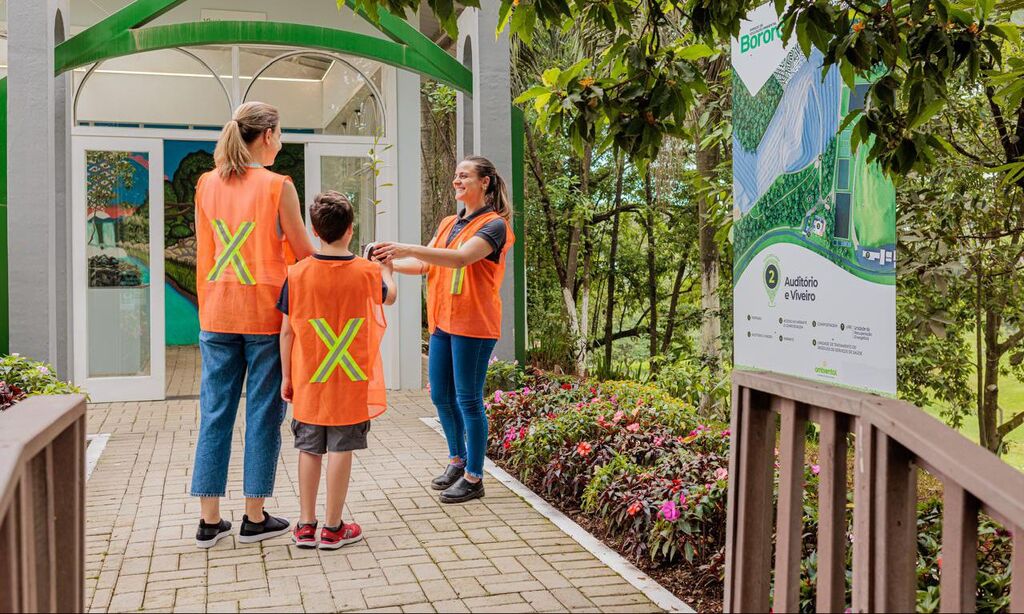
pixel 22 377
pixel 503 375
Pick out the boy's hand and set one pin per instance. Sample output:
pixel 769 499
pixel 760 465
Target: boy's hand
pixel 286 390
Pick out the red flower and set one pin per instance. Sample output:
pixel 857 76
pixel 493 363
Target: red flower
pixel 566 386
pixel 584 448
pixel 634 508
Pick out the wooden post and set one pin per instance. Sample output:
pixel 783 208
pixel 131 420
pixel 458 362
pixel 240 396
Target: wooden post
pixel 751 552
pixel 831 588
pixel 895 542
pixel 863 516
pixel 1017 572
pixel 959 550
pixel 790 514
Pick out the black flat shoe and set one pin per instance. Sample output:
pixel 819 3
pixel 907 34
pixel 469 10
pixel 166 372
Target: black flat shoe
pixel 463 490
pixel 446 479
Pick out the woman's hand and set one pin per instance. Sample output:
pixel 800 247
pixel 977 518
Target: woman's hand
pixel 388 252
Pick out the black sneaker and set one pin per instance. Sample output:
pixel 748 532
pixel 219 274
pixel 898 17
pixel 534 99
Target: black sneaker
pixel 209 534
pixel 463 490
pixel 271 527
pixel 446 479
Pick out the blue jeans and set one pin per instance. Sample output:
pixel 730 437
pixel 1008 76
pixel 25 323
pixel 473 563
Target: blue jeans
pixel 457 367
pixel 226 357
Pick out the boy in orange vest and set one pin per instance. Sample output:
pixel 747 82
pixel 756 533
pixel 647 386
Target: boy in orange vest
pixel 332 371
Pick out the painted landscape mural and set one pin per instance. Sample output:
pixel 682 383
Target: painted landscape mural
pixel 184 163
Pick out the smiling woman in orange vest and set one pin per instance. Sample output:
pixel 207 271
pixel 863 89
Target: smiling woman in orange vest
pixel 465 265
pixel 245 214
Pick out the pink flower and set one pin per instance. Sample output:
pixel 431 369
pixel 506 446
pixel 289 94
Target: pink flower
pixel 682 500
pixel 634 508
pixel 694 433
pixel 632 428
pixel 497 396
pixel 619 415
pixel 527 390
pixel 658 441
pixel 815 469
pixel 726 433
pixel 668 511
pixel 721 473
pixel 614 399
pixel 584 448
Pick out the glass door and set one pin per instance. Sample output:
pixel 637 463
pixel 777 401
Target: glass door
pixel 348 169
pixel 118 267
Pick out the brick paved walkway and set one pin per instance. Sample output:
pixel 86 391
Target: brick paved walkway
pixel 493 554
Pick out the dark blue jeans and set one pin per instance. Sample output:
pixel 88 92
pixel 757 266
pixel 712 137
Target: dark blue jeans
pixel 457 368
pixel 226 358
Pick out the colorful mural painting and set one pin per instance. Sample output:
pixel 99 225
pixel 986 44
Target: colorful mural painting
pixel 184 163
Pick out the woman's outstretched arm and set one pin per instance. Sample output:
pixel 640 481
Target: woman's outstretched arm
pixel 473 250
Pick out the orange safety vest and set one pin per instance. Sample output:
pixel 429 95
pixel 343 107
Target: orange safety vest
pixel 467 301
pixel 336 313
pixel 240 258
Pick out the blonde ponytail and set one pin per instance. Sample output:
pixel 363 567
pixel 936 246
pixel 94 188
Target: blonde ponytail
pixel 496 195
pixel 251 120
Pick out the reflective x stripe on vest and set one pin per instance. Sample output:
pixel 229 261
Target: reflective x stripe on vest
pixel 231 253
pixel 337 350
pixel 458 277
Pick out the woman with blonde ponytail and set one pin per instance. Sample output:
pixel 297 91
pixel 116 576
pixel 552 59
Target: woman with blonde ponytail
pixel 244 215
pixel 465 265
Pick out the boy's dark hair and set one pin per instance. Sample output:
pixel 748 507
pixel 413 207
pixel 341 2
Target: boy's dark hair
pixel 331 214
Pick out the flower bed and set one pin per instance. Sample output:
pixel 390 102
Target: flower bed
pixel 22 377
pixel 639 469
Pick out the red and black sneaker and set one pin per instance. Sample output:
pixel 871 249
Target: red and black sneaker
pixel 305 535
pixel 332 538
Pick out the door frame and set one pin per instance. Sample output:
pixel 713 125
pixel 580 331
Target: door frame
pixel 385 223
pixel 119 388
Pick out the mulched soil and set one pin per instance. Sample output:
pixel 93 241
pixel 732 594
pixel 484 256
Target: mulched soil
pixel 692 588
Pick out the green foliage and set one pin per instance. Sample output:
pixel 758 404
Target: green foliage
pixel 503 375
pixel 32 377
pixel 752 114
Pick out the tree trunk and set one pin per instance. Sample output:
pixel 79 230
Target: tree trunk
pixel 989 410
pixel 612 255
pixel 711 320
pixel 652 271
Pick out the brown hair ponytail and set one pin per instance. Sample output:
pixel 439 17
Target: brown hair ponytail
pixel 250 121
pixel 496 195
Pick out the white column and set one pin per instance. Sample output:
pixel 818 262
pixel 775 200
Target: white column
pixel 410 294
pixel 38 189
pixel 488 57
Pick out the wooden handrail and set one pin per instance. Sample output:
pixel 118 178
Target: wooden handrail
pixel 891 439
pixel 42 505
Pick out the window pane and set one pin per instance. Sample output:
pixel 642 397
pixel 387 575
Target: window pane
pixel 117 237
pixel 353 177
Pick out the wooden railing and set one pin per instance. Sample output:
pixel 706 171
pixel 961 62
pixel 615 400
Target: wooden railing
pixel 891 440
pixel 42 505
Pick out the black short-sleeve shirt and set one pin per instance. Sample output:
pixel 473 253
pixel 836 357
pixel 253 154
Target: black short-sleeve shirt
pixel 282 301
pixel 493 232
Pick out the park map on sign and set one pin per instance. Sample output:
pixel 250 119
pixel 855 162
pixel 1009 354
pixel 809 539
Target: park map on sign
pixel 795 178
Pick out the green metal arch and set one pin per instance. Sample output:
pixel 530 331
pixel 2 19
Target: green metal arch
pixel 155 38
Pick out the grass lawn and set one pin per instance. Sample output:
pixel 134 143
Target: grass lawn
pixel 1011 398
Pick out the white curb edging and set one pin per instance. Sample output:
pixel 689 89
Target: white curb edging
pixel 92 454
pixel 657 593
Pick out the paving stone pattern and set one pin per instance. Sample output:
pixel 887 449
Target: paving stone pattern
pixel 494 554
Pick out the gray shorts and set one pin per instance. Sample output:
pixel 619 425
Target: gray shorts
pixel 317 439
